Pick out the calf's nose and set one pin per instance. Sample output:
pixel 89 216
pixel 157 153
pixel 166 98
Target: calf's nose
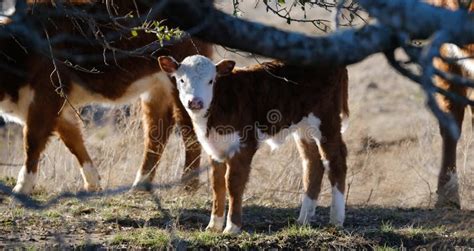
pixel 195 104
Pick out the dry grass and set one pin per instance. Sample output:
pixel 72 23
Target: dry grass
pixel 393 162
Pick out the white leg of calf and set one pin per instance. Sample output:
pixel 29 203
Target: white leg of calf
pixel 142 182
pixel 26 182
pixel 91 177
pixel 307 211
pixel 338 207
pixel 230 227
pixel 216 224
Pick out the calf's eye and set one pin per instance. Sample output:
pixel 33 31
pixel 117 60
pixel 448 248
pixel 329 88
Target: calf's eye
pixel 181 80
pixel 210 82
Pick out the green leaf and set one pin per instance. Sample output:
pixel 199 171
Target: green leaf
pixel 134 33
pixel 281 1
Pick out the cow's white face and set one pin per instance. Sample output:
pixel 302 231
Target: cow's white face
pixel 195 77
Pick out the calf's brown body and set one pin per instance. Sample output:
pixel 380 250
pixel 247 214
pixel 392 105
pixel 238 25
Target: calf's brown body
pixel 255 105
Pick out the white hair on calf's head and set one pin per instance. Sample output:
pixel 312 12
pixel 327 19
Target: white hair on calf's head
pixel 195 77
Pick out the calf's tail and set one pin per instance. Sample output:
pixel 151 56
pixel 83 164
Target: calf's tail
pixel 344 97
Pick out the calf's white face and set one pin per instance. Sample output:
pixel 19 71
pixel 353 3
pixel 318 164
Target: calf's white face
pixel 195 77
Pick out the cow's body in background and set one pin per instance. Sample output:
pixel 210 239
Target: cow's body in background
pixel 448 187
pixel 84 71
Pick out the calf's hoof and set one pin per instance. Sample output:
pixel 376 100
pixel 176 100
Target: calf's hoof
pixel 448 196
pixel 25 183
pixel 92 188
pixel 141 187
pixel 142 182
pixel 22 188
pixel 231 228
pixel 216 224
pixel 450 202
pixel 307 211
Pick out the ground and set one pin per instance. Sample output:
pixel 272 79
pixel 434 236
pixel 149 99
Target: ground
pixel 146 221
pixel 394 155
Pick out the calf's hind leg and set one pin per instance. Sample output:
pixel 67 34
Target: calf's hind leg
pixel 313 172
pixel 190 177
pixel 36 133
pixel 70 133
pixel 334 153
pixel 157 123
pixel 159 117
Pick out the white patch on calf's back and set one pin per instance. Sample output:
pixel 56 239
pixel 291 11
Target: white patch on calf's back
pixel 307 128
pixel 17 112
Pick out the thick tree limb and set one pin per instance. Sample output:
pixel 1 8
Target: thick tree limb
pixel 421 20
pixel 418 19
pixel 340 48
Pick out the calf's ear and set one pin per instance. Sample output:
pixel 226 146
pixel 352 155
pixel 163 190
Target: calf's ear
pixel 168 64
pixel 225 67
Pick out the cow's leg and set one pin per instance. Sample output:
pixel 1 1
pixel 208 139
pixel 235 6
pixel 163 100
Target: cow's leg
pixel 448 187
pixel 238 170
pixel 471 96
pixel 472 117
pixel 333 154
pixel 218 171
pixel 313 172
pixel 157 124
pixel 70 133
pixel 190 177
pixel 39 127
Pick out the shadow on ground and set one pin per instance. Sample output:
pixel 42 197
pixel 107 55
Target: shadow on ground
pixel 145 221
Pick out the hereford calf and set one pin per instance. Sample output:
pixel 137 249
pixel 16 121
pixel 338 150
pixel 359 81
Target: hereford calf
pixel 448 193
pixel 234 111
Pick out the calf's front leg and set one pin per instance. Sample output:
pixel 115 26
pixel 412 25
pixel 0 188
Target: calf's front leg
pixel 218 171
pixel 70 133
pixel 238 170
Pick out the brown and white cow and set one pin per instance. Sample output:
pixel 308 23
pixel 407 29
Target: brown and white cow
pixel 29 82
pixel 448 193
pixel 235 110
